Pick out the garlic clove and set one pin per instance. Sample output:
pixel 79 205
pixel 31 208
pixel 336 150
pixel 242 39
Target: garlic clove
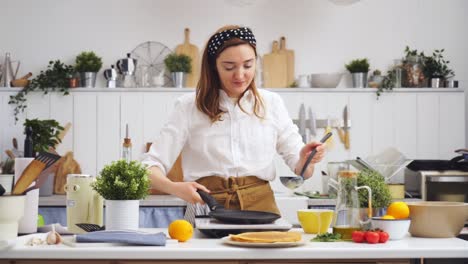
pixel 53 238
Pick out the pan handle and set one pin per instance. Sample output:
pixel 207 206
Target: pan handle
pixel 210 200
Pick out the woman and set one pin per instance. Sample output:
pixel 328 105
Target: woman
pixel 228 132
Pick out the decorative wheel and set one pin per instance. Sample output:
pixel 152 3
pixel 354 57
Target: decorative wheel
pixel 150 65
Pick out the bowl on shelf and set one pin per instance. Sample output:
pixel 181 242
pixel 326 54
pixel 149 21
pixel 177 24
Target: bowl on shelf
pixel 396 228
pixel 325 80
pixel 19 82
pixel 437 219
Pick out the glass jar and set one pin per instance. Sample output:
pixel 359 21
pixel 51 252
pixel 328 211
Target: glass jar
pixel 398 68
pixel 414 76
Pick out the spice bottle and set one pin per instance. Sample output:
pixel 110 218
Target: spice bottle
pixel 127 147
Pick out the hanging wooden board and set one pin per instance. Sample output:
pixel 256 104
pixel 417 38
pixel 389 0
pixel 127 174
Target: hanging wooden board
pixel 192 51
pixel 290 61
pixel 66 165
pixel 275 68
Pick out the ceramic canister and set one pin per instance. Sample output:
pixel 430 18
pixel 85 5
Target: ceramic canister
pixel 84 205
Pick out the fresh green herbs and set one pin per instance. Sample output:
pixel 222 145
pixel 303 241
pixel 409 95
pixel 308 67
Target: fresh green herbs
pixel 381 196
pixel 327 237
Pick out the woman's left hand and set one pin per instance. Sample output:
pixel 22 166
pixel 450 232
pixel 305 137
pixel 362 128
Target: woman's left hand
pixel 304 154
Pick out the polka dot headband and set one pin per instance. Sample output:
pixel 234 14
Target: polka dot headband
pixel 218 39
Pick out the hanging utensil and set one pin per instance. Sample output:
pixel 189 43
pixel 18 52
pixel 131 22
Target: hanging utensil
pixel 292 182
pixel 346 127
pixel 302 123
pixel 312 123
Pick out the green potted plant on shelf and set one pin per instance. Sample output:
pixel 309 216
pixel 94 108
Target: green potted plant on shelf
pixel 55 78
pixel 358 69
pixel 45 133
pixel 88 65
pixel 122 184
pixel 436 68
pixel 179 65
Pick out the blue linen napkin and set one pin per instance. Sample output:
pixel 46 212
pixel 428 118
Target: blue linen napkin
pixel 121 236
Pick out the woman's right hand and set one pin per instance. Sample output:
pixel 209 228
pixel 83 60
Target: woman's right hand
pixel 187 191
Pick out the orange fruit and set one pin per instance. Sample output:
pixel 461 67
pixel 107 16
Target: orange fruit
pixel 388 217
pixel 181 230
pixel 399 210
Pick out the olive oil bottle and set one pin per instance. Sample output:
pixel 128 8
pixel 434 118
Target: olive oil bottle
pixel 345 231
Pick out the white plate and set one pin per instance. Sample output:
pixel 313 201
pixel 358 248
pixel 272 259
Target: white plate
pixel 227 240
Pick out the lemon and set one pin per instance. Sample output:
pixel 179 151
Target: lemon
pixel 399 210
pixel 181 230
pixel 388 217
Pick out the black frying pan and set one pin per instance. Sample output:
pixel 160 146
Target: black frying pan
pixel 245 217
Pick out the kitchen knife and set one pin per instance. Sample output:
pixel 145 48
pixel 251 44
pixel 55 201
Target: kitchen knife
pixel 302 123
pixel 346 127
pixel 312 123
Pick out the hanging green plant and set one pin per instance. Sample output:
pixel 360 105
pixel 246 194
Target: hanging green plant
pixel 55 78
pixel 388 83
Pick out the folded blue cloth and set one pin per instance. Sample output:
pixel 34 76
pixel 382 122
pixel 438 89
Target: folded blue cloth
pixel 129 237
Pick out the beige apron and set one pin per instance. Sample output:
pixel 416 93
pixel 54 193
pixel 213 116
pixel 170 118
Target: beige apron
pixel 240 193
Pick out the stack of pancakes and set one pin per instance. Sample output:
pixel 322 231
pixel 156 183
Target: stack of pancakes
pixel 267 237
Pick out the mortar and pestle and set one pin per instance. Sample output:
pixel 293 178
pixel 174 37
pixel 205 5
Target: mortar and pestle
pixel 21 82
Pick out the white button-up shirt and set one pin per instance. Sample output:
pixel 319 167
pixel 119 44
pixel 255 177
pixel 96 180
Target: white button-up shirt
pixel 240 145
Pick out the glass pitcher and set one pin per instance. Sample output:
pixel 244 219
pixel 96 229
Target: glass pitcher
pixel 347 217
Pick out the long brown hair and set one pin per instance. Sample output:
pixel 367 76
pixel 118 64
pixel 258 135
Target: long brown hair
pixel 209 84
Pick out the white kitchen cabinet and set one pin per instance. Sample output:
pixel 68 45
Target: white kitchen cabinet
pixel 421 123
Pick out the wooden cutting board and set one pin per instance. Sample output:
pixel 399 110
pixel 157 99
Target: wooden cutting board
pixel 66 165
pixel 275 68
pixel 192 51
pixel 175 174
pixel 290 61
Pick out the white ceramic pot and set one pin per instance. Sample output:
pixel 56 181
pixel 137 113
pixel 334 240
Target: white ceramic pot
pixel 12 208
pixel 27 224
pixel 6 180
pixel 122 214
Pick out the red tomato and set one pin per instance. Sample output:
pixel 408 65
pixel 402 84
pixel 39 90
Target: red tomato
pixel 358 236
pixel 383 237
pixel 372 237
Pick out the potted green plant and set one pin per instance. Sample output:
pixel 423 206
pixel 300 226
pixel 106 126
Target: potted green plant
pixel 88 64
pixel 122 184
pixel 178 65
pixel 45 133
pixel 358 69
pixel 381 196
pixel 55 78
pixel 436 68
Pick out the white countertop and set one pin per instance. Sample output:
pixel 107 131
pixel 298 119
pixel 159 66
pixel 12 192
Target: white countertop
pixel 203 249
pixel 151 200
pixel 171 200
